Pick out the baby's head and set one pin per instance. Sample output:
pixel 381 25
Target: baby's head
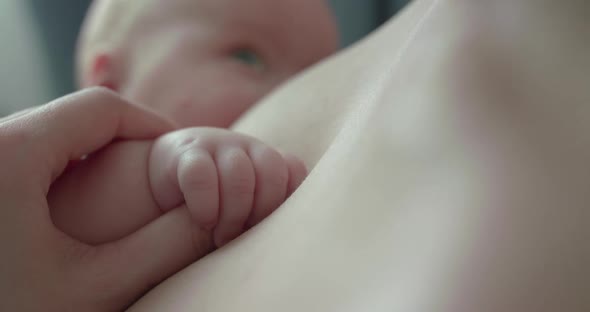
pixel 201 62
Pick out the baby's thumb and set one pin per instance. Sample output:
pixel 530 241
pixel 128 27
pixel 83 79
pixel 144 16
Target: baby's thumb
pixel 144 259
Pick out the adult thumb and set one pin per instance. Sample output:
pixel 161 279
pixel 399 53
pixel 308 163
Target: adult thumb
pixel 137 263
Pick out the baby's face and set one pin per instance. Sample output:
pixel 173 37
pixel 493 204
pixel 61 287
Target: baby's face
pixel 204 63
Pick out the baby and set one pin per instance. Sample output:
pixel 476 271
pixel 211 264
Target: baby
pixel 198 63
pixel 201 62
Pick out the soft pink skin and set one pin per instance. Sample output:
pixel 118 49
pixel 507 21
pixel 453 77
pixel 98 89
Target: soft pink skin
pixel 175 56
pixel 229 182
pixel 43 269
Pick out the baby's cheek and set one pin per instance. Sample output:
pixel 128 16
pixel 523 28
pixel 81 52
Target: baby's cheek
pixel 218 106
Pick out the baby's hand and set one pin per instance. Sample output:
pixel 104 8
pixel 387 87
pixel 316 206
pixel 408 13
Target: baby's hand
pixel 229 181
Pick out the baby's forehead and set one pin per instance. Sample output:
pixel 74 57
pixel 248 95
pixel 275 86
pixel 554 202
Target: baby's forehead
pixel 290 24
pixel 286 14
pixel 302 30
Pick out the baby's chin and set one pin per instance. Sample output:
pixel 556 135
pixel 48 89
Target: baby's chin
pixel 217 118
pixel 193 105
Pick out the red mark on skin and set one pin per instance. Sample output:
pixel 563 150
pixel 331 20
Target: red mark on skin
pixel 101 72
pixel 109 85
pixel 101 64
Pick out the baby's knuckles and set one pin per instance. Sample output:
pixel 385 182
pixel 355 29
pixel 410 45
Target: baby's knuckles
pixel 271 161
pixel 195 174
pixel 237 162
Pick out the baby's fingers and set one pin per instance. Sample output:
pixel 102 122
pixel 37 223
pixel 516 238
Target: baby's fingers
pixel 297 173
pixel 237 179
pixel 198 180
pixel 272 179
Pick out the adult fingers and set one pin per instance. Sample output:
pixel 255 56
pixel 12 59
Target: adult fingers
pixel 128 268
pixel 78 124
pixel 118 178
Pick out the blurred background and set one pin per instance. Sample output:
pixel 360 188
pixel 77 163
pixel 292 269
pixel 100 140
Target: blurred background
pixel 38 39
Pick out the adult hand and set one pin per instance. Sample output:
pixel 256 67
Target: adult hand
pixel 45 270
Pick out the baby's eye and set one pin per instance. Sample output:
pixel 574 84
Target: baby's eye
pixel 249 57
